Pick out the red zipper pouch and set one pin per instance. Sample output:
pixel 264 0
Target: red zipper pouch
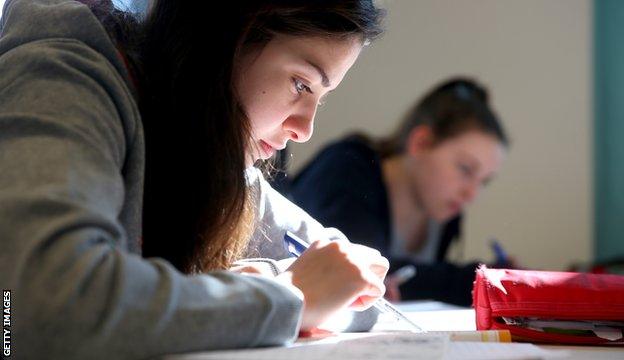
pixel 516 300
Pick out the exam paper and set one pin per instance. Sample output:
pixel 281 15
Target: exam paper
pixel 460 350
pixel 398 346
pixel 395 346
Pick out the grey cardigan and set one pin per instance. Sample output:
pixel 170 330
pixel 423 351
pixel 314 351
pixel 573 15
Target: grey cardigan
pixel 71 179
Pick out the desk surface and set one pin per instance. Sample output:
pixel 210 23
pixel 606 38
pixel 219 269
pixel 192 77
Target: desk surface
pixel 432 316
pixel 437 316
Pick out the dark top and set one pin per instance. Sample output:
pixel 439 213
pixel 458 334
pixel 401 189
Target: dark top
pixel 343 187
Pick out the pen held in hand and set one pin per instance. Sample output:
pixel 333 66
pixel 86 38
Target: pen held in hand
pixel 296 247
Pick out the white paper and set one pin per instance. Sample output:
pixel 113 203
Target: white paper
pixel 460 350
pixel 397 346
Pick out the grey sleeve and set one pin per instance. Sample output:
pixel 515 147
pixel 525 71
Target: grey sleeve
pixel 76 290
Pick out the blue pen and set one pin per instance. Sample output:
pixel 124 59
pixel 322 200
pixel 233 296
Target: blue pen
pixel 296 247
pixel 501 255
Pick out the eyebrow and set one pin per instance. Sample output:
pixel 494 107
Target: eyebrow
pixel 489 178
pixel 324 79
pixel 472 158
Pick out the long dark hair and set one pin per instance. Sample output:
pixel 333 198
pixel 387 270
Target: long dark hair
pixel 196 131
pixel 449 109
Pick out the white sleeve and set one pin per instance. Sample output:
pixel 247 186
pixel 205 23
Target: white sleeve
pixel 276 215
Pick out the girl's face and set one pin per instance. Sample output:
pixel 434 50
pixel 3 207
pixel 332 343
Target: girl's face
pixel 449 175
pixel 281 84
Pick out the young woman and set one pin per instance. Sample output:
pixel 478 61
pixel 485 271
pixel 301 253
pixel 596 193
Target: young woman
pixel 120 139
pixel 404 195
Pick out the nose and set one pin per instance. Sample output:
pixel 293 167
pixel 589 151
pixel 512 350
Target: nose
pixel 300 126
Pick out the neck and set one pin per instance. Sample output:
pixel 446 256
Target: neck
pixel 409 219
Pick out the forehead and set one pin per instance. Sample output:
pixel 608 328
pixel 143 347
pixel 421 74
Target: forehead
pixel 476 144
pixel 334 55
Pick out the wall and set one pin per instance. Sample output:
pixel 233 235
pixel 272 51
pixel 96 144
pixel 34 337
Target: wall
pixel 609 86
pixel 535 56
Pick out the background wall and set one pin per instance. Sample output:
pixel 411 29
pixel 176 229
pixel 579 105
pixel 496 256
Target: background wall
pixel 609 86
pixel 535 56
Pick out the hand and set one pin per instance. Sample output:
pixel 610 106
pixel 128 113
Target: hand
pixel 333 275
pixel 378 264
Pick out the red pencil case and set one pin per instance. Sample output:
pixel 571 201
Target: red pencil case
pixel 516 300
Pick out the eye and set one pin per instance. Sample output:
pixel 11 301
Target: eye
pixel 301 87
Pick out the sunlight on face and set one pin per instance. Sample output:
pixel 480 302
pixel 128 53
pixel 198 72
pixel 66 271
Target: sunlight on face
pixel 281 85
pixel 452 173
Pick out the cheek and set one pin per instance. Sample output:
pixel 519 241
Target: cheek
pixel 450 179
pixel 438 175
pixel 442 184
pixel 266 111
pixel 264 99
pixel 448 173
pixel 262 116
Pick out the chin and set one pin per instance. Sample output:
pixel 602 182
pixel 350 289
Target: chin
pixel 444 216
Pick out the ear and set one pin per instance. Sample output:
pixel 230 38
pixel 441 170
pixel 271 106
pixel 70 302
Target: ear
pixel 419 140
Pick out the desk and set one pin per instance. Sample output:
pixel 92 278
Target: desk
pixel 436 316
pixel 432 316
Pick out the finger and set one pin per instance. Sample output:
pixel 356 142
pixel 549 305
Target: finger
pixel 380 267
pixel 363 303
pixel 365 251
pixel 373 290
pixel 371 257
